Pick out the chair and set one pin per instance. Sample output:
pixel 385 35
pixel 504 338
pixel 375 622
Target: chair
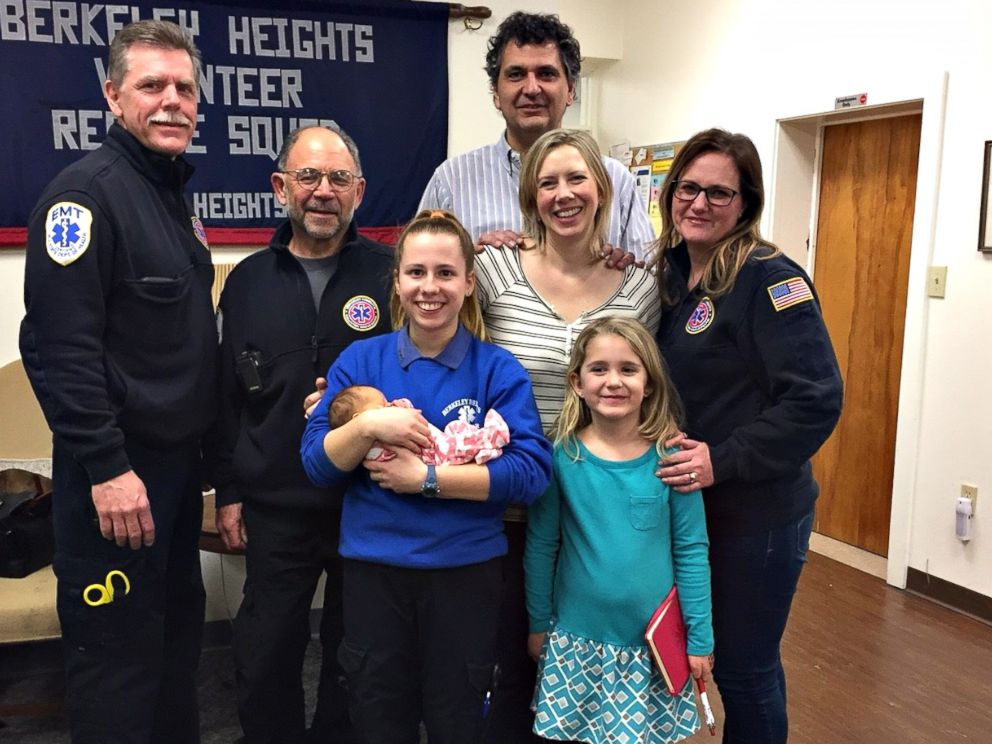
pixel 27 606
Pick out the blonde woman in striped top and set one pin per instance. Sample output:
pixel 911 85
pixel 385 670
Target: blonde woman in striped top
pixel 536 301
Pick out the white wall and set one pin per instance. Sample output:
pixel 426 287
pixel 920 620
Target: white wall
pixel 741 64
pixel 11 301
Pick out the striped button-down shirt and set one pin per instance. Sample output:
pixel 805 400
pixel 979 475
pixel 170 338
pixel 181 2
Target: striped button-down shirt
pixel 480 189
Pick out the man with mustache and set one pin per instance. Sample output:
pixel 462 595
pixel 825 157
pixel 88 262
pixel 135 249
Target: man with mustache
pixel 120 344
pixel 533 64
pixel 286 313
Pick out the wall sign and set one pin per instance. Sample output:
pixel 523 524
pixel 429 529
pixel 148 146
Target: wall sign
pixel 377 68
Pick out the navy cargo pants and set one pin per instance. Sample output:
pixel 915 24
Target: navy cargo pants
pixel 131 662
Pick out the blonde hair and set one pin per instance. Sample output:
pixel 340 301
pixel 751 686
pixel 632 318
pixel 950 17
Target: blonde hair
pixel 439 222
pixel 730 254
pixel 661 410
pixel 531 167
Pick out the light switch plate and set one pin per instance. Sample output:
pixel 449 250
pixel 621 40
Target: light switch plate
pixel 936 281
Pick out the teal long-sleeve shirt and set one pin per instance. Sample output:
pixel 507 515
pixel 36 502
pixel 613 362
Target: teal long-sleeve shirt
pixel 606 542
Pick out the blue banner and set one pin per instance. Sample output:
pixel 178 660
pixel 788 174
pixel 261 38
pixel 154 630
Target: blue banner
pixel 379 69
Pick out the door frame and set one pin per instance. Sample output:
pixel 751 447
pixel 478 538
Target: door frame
pixel 791 217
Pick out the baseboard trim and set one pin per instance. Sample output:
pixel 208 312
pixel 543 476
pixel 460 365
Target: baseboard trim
pixel 950 595
pixel 849 555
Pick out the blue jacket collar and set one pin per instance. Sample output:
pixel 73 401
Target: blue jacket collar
pixel 451 356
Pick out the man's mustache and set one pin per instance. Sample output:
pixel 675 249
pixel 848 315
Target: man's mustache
pixel 174 118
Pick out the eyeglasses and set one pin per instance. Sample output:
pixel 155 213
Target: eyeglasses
pixel 310 178
pixel 718 196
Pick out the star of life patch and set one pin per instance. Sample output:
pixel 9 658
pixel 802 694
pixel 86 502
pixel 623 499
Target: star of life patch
pixel 199 232
pixel 68 228
pixel 790 292
pixel 361 313
pixel 701 318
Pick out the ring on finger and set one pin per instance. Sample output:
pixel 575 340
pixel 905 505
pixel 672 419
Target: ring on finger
pixel 692 477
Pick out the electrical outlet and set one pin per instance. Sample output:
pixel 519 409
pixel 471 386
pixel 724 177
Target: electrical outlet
pixel 970 492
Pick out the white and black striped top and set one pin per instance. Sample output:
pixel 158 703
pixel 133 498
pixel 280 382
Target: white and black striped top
pixel 519 320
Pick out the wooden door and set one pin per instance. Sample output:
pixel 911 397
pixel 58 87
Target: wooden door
pixel 864 231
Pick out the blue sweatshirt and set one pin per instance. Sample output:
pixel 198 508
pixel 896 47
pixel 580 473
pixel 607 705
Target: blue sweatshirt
pixel 464 381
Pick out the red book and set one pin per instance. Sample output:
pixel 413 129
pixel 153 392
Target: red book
pixel 666 639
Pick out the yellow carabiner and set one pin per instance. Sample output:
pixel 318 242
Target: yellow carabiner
pixel 105 591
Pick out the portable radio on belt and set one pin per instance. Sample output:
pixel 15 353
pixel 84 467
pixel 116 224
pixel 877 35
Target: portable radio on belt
pixel 247 366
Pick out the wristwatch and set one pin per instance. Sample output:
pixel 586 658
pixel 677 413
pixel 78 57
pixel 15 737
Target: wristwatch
pixel 429 489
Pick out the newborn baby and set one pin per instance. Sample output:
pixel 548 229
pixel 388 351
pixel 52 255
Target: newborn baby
pixel 459 443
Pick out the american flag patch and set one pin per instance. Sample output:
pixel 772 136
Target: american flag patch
pixel 788 293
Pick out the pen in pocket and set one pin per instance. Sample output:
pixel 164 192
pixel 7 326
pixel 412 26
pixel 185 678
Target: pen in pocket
pixel 487 701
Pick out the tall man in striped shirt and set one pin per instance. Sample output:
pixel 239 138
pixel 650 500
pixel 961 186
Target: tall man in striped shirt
pixel 533 63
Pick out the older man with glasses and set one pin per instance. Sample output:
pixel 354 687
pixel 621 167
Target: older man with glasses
pixel 285 314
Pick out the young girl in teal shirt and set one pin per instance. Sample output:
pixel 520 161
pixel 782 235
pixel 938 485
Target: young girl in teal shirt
pixel 606 543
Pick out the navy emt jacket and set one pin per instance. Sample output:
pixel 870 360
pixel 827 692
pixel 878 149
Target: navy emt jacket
pixel 267 309
pixel 119 339
pixel 760 383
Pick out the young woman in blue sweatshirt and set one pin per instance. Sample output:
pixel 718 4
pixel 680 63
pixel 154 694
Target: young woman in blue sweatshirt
pixel 421 544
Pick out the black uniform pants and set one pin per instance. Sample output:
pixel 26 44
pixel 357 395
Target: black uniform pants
pixel 512 718
pixel 419 645
pixel 131 662
pixel 288 550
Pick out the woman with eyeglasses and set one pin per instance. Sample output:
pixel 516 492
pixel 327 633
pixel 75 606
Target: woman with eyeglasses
pixel 749 353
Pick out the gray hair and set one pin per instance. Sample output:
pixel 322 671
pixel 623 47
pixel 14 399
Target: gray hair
pixel 161 34
pixel 333 126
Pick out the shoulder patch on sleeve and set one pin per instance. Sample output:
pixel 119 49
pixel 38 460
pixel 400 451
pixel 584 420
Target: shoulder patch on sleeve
pixel 199 232
pixel 68 228
pixel 789 292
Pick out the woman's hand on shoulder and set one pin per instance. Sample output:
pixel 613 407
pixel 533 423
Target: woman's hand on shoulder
pixel 619 259
pixel 498 239
pixel 688 469
pixel 400 427
pixel 404 473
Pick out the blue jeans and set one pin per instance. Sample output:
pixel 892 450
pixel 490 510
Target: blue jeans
pixel 754 578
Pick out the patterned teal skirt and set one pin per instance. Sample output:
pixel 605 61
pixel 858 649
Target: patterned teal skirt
pixel 600 693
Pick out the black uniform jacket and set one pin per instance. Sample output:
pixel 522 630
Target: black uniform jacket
pixel 267 311
pixel 119 340
pixel 757 374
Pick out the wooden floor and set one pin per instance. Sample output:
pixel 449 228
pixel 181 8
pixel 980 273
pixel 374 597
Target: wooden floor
pixel 870 664
pixel 866 664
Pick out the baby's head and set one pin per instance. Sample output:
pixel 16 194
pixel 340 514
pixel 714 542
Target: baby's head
pixel 352 401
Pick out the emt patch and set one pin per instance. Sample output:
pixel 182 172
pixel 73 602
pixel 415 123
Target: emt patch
pixel 790 292
pixel 361 313
pixel 701 318
pixel 199 232
pixel 68 228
